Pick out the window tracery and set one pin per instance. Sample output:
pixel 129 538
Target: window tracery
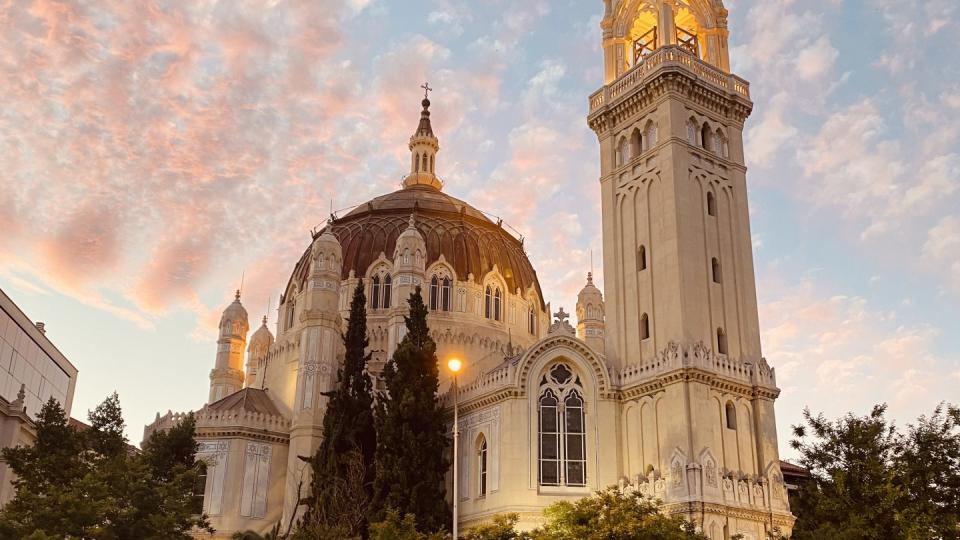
pixel 561 428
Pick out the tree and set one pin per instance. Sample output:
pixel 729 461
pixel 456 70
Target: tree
pixel 869 480
pixel 502 527
pixel 411 433
pixel 613 514
pixel 92 485
pixel 343 467
pixel 395 528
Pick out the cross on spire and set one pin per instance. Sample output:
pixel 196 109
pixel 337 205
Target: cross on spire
pixel 426 90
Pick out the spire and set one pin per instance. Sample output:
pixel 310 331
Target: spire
pixel 424 146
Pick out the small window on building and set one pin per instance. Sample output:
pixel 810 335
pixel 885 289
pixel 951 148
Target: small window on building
pixel 445 287
pixel 291 310
pixel 532 321
pixel 482 467
pixel 375 293
pixel 644 327
pixel 711 204
pixel 636 143
pixel 715 266
pixel 497 300
pixel 199 488
pixel 434 292
pixel 387 285
pixel 424 166
pixel 642 258
pixel 487 302
pixel 731 413
pixel 721 341
pixel 706 137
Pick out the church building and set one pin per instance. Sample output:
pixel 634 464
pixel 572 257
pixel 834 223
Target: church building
pixel 661 387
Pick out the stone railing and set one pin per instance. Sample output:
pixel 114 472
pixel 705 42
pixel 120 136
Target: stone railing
pixel 675 356
pixel 669 56
pixel 485 383
pixel 206 418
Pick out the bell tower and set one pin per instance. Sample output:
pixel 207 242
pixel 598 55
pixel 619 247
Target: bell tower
pixel 681 306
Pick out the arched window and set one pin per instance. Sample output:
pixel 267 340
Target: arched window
pixel 424 167
pixel 416 163
pixel 644 327
pixel 434 292
pixel 721 341
pixel 731 414
pixel 711 204
pixel 650 135
pixel 623 150
pixel 706 137
pixel 692 131
pixel 482 467
pixel 720 143
pixel 431 163
pixel 375 293
pixel 636 143
pixel 562 429
pixel 532 321
pixel 387 282
pixel 715 266
pixel 497 300
pixel 641 258
pixel 487 302
pixel 445 287
pixel 291 309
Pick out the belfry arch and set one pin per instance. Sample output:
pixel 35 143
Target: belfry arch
pixel 635 29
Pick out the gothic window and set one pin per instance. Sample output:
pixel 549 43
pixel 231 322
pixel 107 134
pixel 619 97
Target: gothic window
pixel 721 341
pixel 532 321
pixel 644 327
pixel 199 487
pixel 487 302
pixel 636 143
pixel 562 430
pixel 711 204
pixel 642 258
pixel 482 467
pixel 375 293
pixel 291 309
pixel 715 267
pixel 434 292
pixel 416 163
pixel 424 166
pixel 445 286
pixel 731 414
pixel 692 131
pixel 720 142
pixel 440 293
pixel 650 135
pixel 706 137
pixel 387 285
pixel 497 300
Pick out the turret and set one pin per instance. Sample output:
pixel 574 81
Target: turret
pixel 590 327
pixel 424 146
pixel 409 260
pixel 260 343
pixel 227 374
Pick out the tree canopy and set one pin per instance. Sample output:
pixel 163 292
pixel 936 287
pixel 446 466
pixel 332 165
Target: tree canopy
pixel 92 484
pixel 871 480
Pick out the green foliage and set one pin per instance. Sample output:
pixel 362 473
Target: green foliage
pixel 870 480
pixel 343 467
pixel 395 528
pixel 91 485
pixel 411 433
pixel 502 527
pixel 613 514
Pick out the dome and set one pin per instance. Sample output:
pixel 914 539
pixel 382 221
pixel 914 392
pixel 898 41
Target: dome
pixel 468 241
pixel 262 338
pixel 235 311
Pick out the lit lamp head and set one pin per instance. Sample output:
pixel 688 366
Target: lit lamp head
pixel 454 365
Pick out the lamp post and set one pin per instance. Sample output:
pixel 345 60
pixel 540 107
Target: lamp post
pixel 454 364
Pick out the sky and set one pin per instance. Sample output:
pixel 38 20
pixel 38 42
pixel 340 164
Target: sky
pixel 153 153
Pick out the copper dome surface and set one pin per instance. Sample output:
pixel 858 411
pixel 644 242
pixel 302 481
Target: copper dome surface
pixel 469 241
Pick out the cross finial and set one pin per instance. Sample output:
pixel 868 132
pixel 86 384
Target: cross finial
pixel 561 315
pixel 426 90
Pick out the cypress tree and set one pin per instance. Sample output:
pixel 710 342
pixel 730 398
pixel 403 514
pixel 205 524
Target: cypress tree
pixel 343 467
pixel 411 433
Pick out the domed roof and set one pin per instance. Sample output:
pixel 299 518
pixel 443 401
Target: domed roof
pixel 235 311
pixel 262 337
pixel 469 241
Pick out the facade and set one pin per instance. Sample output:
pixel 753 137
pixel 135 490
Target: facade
pixel 32 370
pixel 661 386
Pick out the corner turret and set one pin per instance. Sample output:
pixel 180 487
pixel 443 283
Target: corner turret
pixel 227 374
pixel 590 327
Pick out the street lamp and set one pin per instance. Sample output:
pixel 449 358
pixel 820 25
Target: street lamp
pixel 454 365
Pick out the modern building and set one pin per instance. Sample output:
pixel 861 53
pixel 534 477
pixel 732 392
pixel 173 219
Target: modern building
pixel 32 370
pixel 661 387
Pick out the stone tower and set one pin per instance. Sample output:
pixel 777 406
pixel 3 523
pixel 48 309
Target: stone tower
pixel 226 377
pixel 320 348
pixel 681 307
pixel 590 325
